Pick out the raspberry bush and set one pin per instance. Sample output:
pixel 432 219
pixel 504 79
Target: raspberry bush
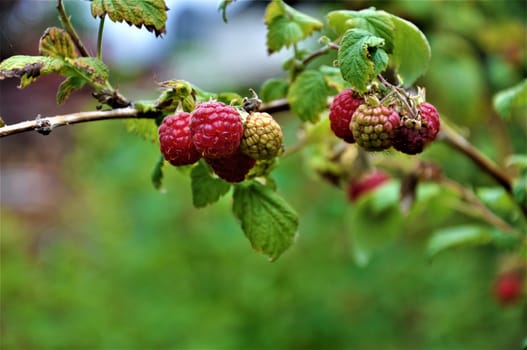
pixel 365 112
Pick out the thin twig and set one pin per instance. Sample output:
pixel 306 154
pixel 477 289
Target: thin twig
pixel 455 140
pixel 71 31
pixel 485 213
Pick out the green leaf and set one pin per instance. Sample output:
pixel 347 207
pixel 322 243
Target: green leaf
pixel 333 78
pixel 308 94
pixel 274 89
pixel 512 101
pixel 267 219
pixel 157 173
pixel 145 128
pixel 361 58
pixel 206 189
pixel 56 42
pixel 374 221
pixel 149 13
pixel 411 53
pixel 287 26
pixel 458 236
pixel 67 87
pixel 378 23
pixel 90 69
pixel 29 68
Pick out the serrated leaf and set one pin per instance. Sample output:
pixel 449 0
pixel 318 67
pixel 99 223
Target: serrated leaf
pixel 157 173
pixel 333 78
pixel 308 94
pixel 152 14
pixel 206 189
pixel 90 69
pixel 411 53
pixel 145 128
pixel 458 236
pixel 512 101
pixel 281 32
pixel 378 23
pixel 273 89
pixel 287 26
pixel 361 58
pixel 29 68
pixel 267 220
pixel 56 42
pixel 67 87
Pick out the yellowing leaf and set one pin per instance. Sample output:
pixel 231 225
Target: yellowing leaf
pixel 149 13
pixel 56 42
pixel 29 68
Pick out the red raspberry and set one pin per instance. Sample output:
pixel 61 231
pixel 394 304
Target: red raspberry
pixel 413 135
pixel 374 127
pixel 216 129
pixel 367 183
pixel 508 288
pixel 340 112
pixel 232 168
pixel 176 141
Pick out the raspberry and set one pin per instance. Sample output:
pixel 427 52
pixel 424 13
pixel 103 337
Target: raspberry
pixel 232 168
pixel 367 183
pixel 374 127
pixel 340 112
pixel 216 129
pixel 176 141
pixel 508 288
pixel 414 135
pixel 262 136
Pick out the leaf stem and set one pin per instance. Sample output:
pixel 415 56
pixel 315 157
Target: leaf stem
pixel 65 20
pixel 99 38
pixel 319 52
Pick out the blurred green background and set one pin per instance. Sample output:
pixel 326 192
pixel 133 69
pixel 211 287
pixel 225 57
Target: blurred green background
pixel 93 257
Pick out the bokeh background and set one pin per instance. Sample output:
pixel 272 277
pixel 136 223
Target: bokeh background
pixel 93 257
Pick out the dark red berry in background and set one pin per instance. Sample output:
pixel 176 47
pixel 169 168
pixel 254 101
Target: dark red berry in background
pixel 342 108
pixel 175 140
pixel 233 168
pixel 367 183
pixel 508 288
pixel 374 127
pixel 413 136
pixel 216 129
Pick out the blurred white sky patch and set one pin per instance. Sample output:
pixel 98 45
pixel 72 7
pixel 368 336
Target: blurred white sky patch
pixel 198 46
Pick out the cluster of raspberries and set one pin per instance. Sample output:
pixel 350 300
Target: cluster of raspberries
pixel 216 132
pixel 376 128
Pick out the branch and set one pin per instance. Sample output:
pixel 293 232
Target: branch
pixel 47 124
pixel 458 142
pixel 65 20
pixel 478 208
